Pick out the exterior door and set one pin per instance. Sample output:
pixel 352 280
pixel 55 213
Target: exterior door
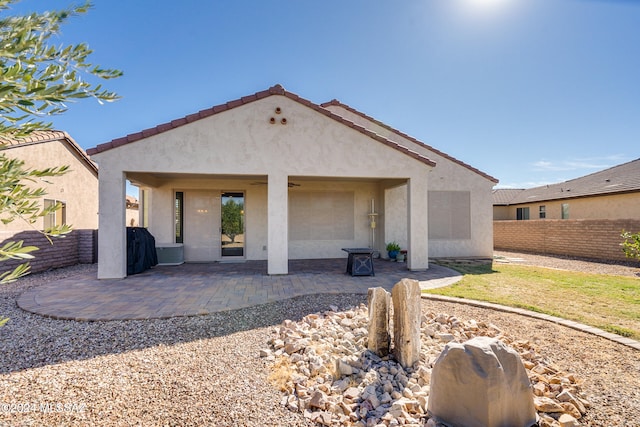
pixel 201 225
pixel 232 224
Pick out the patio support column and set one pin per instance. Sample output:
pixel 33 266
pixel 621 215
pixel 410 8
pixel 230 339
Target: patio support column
pixel 417 223
pixel 112 247
pixel 278 224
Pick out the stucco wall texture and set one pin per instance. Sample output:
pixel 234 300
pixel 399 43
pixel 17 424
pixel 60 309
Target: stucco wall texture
pixel 78 188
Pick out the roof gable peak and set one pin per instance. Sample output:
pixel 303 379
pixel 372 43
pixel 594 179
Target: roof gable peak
pixel 277 89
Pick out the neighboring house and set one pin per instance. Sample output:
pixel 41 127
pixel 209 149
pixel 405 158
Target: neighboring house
pixel 132 207
pixel 583 217
pixel 273 176
pixel 613 193
pixel 77 190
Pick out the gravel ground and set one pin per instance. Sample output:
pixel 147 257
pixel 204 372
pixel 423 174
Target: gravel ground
pixel 206 370
pixel 630 268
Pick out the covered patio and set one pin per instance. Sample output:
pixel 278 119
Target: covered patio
pixel 202 288
pixel 302 181
pixel 307 181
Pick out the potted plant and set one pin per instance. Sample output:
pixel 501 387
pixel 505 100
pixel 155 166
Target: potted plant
pixel 393 249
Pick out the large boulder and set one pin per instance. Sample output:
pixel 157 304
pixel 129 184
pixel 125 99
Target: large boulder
pixel 406 322
pixel 481 383
pixel 379 302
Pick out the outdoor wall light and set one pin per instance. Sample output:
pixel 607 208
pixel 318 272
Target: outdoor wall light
pixel 283 121
pixel 272 120
pixel 278 110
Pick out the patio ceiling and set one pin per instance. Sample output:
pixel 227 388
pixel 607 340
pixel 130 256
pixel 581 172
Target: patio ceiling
pixel 156 179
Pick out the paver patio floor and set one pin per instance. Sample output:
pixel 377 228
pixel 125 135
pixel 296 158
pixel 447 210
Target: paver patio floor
pixel 194 289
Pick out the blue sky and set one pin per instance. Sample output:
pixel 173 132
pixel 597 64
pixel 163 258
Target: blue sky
pixel 529 91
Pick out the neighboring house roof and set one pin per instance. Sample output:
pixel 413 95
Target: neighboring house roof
pixel 131 202
pixel 335 102
pixel 44 136
pixel 624 178
pixel 274 90
pixel 504 196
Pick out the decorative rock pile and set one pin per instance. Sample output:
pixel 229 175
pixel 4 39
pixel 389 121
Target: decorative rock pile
pixel 323 365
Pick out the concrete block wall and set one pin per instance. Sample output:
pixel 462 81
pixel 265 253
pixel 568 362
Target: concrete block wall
pixel 77 247
pixel 87 246
pixel 585 238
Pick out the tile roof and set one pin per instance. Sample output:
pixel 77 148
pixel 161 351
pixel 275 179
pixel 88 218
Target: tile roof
pixel 504 196
pixel 274 90
pixel 33 138
pixel 44 136
pixel 624 178
pixel 335 102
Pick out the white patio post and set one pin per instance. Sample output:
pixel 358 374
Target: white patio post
pixel 278 224
pixel 417 223
pixel 112 237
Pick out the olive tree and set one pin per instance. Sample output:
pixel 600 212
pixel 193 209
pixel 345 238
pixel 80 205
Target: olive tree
pixel 232 219
pixel 37 80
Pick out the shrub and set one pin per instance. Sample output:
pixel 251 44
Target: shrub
pixel 631 244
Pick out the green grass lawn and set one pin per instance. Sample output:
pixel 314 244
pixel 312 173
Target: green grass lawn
pixel 611 303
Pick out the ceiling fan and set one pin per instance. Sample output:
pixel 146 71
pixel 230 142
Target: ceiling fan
pixel 290 184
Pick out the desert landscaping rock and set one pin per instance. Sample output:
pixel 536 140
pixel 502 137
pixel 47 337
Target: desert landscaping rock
pixel 405 296
pixel 487 379
pixel 379 338
pixel 208 370
pixel 379 391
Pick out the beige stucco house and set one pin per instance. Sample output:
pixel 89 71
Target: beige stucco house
pixel 613 193
pixel 582 217
pixel 273 176
pixel 77 189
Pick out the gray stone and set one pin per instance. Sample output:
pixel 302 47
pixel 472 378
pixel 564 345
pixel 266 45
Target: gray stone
pixel 546 404
pixel 343 368
pixel 265 352
pixel 566 396
pixel 446 337
pixel 351 393
pixel 406 321
pixel 378 301
pixel 567 420
pixel 318 400
pixel 481 383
